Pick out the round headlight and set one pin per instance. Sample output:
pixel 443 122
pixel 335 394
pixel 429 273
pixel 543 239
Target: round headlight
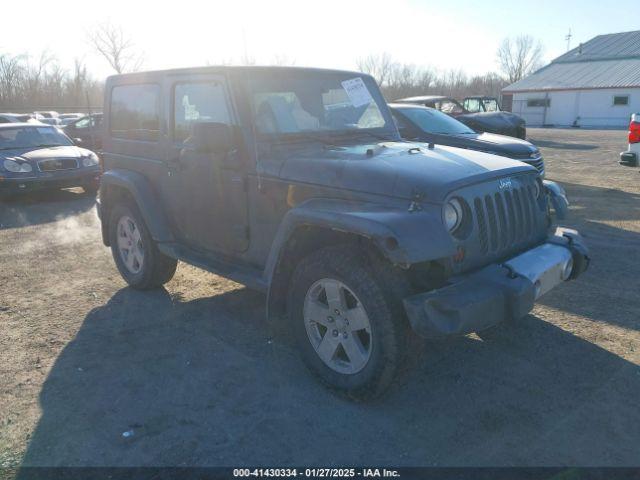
pixel 91 160
pixel 452 214
pixel 15 167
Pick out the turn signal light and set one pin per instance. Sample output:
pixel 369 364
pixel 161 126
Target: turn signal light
pixel 634 132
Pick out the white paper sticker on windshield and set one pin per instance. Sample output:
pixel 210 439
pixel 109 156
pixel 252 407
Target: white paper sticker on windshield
pixel 357 92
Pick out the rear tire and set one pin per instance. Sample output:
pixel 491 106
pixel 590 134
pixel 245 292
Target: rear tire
pixel 375 321
pixel 137 257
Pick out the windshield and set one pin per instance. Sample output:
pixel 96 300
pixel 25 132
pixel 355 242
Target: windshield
pixel 288 103
pixel 32 137
pixel 432 121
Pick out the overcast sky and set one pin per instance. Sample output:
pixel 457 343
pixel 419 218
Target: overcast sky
pixel 452 34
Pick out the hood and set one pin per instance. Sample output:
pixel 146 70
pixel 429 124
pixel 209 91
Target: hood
pixel 398 169
pixel 495 119
pixel 498 144
pixel 35 154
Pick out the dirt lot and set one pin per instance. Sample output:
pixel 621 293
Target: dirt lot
pixel 200 378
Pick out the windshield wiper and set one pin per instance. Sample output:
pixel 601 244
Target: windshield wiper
pixel 354 133
pixel 49 145
pixel 306 136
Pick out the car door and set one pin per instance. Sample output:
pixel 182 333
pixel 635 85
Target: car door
pixel 209 188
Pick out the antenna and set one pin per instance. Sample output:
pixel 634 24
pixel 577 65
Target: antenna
pixel 254 133
pixel 568 39
pixel 92 130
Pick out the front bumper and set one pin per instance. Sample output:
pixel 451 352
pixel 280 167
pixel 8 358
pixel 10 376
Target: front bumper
pixel 498 292
pixel 59 179
pixel 629 159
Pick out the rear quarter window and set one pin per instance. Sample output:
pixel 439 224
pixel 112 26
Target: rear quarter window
pixel 135 112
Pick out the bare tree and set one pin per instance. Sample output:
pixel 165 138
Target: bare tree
pixel 40 83
pixel 378 66
pixel 519 57
pixel 283 60
pixel 116 47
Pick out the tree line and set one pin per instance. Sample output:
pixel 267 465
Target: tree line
pixel 516 57
pixel 28 83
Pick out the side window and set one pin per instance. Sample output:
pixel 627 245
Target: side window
pixel 198 102
pixel 84 123
pixel 620 100
pixel 135 112
pixel 472 104
pixel 538 102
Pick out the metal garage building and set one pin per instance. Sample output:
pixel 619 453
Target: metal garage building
pixel 597 84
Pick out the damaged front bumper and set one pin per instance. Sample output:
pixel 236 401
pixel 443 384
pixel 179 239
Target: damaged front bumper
pixel 498 292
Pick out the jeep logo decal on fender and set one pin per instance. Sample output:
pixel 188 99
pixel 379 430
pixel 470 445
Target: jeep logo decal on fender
pixel 505 183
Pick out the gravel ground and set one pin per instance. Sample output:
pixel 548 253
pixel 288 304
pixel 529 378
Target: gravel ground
pixel 196 376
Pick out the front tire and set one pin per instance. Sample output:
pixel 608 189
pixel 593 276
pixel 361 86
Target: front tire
pixel 349 325
pixel 135 253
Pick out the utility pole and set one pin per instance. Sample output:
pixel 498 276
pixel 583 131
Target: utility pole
pixel 568 39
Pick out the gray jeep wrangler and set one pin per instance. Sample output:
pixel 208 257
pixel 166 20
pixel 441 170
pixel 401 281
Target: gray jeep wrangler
pixel 295 181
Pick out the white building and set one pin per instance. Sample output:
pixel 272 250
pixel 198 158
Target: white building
pixel 597 84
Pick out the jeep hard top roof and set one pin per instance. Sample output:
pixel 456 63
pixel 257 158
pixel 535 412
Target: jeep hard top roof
pixel 223 68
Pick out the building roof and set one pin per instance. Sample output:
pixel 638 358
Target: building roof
pixel 606 61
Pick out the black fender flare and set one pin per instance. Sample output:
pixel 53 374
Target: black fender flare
pixel 402 236
pixel 558 198
pixel 139 187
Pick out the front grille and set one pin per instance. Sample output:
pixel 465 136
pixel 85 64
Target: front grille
pixel 506 218
pixel 55 164
pixel 538 163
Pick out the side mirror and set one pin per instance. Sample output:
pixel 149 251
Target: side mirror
pixel 78 141
pixel 211 137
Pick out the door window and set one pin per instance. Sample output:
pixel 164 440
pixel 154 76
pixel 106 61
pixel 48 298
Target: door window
pixel 84 123
pixel 198 102
pixel 472 104
pixel 490 105
pixel 135 112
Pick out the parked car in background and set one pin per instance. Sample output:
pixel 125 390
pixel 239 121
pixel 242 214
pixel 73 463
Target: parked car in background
pixel 55 121
pixel 503 123
pixel 34 157
pixel 74 116
pixel 47 114
pixel 424 124
pixel 86 131
pixel 17 118
pixel 295 181
pixel 631 158
pixel 67 118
